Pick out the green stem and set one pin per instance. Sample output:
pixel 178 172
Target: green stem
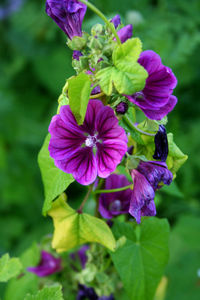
pixel 114 190
pixel 130 124
pixel 80 210
pixel 99 13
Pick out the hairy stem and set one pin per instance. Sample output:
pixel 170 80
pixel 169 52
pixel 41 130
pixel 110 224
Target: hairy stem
pixel 80 210
pixel 114 190
pixel 130 124
pixel 101 15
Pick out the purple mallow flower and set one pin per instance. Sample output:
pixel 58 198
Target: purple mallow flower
pixel 94 148
pixel 47 266
pixel 90 294
pixel 116 20
pixel 161 144
pixel 147 178
pixel 68 15
pixel 117 203
pixel 156 99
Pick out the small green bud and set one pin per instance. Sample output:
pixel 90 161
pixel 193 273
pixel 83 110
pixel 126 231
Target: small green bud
pixel 97 29
pixel 77 43
pixel 94 43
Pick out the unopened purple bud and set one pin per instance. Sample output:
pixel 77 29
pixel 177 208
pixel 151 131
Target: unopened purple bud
pixel 122 108
pixel 116 21
pixel 77 54
pixel 96 90
pixel 68 15
pixel 125 33
pixel 130 150
pixel 47 266
pixel 161 144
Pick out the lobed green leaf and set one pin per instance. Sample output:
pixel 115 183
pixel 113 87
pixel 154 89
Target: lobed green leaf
pixel 9 267
pixel 47 293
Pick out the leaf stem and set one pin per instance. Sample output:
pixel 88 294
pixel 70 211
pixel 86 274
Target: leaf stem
pixel 114 190
pixel 101 15
pixel 130 124
pixel 97 95
pixel 80 210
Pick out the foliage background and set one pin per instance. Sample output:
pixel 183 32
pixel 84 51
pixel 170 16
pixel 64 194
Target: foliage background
pixel 34 63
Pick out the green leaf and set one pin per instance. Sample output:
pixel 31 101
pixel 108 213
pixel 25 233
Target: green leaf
pixel 55 181
pixel 9 267
pixel 127 75
pixel 140 262
pixel 47 293
pixel 176 158
pixel 130 51
pixel 79 89
pixel 73 229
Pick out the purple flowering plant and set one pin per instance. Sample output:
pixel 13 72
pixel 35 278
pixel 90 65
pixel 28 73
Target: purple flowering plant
pixel 109 138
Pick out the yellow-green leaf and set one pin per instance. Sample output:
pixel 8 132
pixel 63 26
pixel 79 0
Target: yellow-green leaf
pixel 73 229
pixel 130 51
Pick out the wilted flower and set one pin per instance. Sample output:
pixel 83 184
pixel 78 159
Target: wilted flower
pixel 147 178
pixel 68 15
pixel 117 203
pixel 161 144
pixel 94 148
pixel 156 99
pixel 47 266
pixel 90 294
pixel 122 108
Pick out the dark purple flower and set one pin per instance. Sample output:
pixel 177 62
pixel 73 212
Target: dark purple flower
pixel 77 54
pixel 161 144
pixel 116 20
pixel 94 148
pixel 156 99
pixel 156 172
pixel 47 266
pixel 81 255
pixel 117 203
pixel 125 33
pixel 68 15
pixel 122 108
pixel 142 200
pixel 147 179
pixel 90 294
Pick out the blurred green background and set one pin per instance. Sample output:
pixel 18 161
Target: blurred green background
pixel 34 64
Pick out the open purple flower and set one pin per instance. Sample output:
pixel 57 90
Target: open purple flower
pixel 94 148
pixel 47 266
pixel 147 179
pixel 161 144
pixel 117 203
pixel 68 15
pixel 156 99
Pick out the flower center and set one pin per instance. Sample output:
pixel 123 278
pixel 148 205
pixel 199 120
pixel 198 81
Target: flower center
pixel 115 206
pixel 91 141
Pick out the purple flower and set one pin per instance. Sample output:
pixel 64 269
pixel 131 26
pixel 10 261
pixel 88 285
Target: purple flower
pixel 156 99
pixel 116 20
pixel 122 108
pixel 47 266
pixel 68 15
pixel 142 200
pixel 155 172
pixel 94 148
pixel 117 203
pixel 161 144
pixel 147 178
pixel 125 33
pixel 81 255
pixel 90 294
pixel 77 54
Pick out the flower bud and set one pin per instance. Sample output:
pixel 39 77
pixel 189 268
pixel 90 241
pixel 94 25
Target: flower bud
pixel 122 108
